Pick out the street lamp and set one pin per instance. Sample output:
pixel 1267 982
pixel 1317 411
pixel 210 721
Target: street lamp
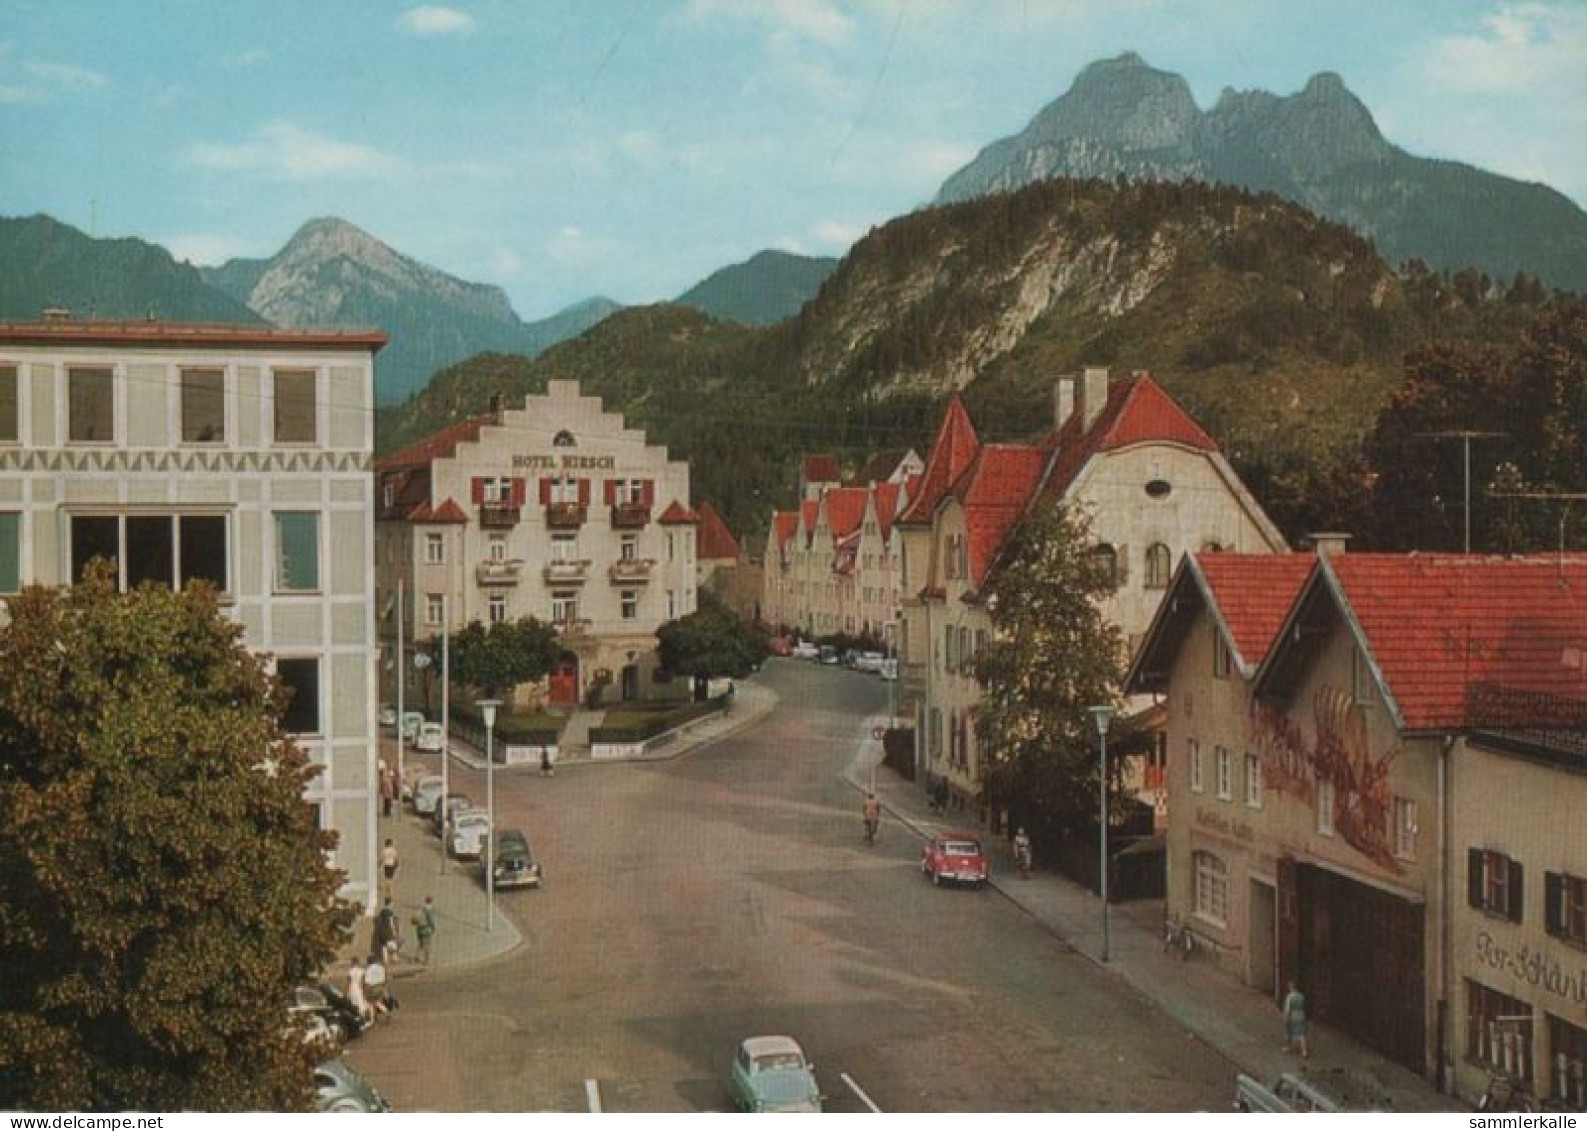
pixel 487 709
pixel 1103 715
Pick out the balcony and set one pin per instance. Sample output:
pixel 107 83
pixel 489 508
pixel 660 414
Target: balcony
pixel 565 516
pixel 498 573
pixel 572 628
pixel 498 516
pixel 567 573
pixel 626 570
pixel 630 516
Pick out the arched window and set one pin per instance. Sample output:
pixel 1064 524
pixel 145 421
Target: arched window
pixel 1212 887
pixel 1159 564
pixel 563 439
pixel 1107 560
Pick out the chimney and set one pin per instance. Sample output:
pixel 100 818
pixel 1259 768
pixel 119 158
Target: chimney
pixel 498 407
pixel 1093 396
pixel 1063 402
pixel 1328 544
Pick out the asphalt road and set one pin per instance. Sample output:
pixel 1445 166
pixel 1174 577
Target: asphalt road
pixel 729 893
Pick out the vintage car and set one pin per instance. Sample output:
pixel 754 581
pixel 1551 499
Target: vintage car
pixel 516 866
pixel 469 831
pixel 772 1074
pixel 956 857
pixel 1331 1090
pixel 427 794
pixel 337 1088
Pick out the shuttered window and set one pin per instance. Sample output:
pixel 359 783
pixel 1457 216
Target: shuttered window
pixel 1565 907
pixel 1495 884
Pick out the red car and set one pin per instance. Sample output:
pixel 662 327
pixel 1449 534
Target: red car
pixel 954 856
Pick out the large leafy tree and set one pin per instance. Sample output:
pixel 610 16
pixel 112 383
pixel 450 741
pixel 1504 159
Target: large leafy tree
pixel 1051 657
pixel 710 642
pixel 499 658
pixel 163 885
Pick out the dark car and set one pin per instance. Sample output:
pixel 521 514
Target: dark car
pixel 954 856
pixel 516 866
pixel 340 1018
pixel 338 1089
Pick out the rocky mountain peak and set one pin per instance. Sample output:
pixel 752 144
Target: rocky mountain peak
pixel 1125 102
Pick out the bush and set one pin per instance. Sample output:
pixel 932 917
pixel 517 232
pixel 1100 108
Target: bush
pixel 511 730
pixel 638 726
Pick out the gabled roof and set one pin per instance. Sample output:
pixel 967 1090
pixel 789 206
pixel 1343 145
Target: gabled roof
pixel 1439 629
pixel 808 511
pixel 955 446
pixel 714 541
pixel 887 496
pixel 820 469
pixel 1137 411
pixel 993 492
pixel 448 511
pixel 845 507
pixel 677 514
pixel 437 445
pixel 784 523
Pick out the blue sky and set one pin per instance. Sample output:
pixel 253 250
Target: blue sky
pixel 568 148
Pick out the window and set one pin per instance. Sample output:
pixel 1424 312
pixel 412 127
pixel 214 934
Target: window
pixel 1498 1030
pixel 564 607
pixel 935 733
pixel 965 659
pixel 1494 883
pixel 630 603
pixel 1565 907
pixel 10 410
pixel 628 491
pixel 564 547
pixel 1158 488
pixel 498 547
pixel 90 406
pixel 1253 781
pixel 1569 1043
pixel 295 395
pixel 496 491
pixel 302 679
pixel 1405 828
pixel 203 406
pixel 1106 560
pixel 297 551
pixel 434 609
pixel 1325 806
pixel 164 549
pixel 563 439
pixel 1159 564
pixel 1212 888
pixel 1225 770
pixel 629 548
pixel 434 549
pixel 10 552
pixel 1196 784
pixel 565 490
pixel 669 550
pixel 949 636
pixel 1221 659
pixel 497 608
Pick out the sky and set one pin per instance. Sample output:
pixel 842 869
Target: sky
pixel 569 148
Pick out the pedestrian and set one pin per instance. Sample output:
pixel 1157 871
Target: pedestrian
pixel 1295 1022
pixel 546 769
pixel 377 987
pixel 388 940
pixel 388 867
pixel 424 928
pixel 388 788
pixel 355 992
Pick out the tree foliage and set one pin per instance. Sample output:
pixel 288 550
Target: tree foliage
pixel 1051 657
pixel 710 642
pixel 163 885
pixel 499 658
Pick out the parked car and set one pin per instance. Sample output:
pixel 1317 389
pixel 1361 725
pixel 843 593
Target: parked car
pixel 1332 1090
pixel 337 1088
pixel 779 646
pixel 337 1017
pixel 772 1074
pixel 469 829
pixel 888 669
pixel 829 654
pixel 516 866
pixel 388 714
pixel 432 737
pixel 954 856
pixel 427 794
pixel 446 811
pixel 869 662
pixel 804 650
pixel 411 722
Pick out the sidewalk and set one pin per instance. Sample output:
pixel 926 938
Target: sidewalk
pixel 1237 1021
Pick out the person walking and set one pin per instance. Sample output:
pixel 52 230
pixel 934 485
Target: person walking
pixel 355 992
pixel 387 939
pixel 424 928
pixel 546 769
pixel 1295 1022
pixel 388 868
pixel 388 788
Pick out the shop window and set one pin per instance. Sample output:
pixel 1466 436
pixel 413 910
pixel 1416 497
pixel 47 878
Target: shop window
pixel 10 552
pixel 1212 887
pixel 1196 783
pixel 497 609
pixel 203 406
pixel 630 604
pixel 302 679
pixel 434 549
pixel 1405 828
pixel 10 409
pixel 1221 659
pixel 1568 1072
pixel 1225 771
pixel 434 609
pixel 1498 1031
pixel 90 406
pixel 1494 883
pixel 295 415
pixel 297 551
pixel 1159 565
pixel 1565 907
pixel 1253 781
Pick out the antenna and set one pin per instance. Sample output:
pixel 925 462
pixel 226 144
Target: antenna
pixel 1569 498
pixel 1467 435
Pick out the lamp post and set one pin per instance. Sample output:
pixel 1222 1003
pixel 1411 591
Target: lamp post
pixel 487 710
pixel 1103 715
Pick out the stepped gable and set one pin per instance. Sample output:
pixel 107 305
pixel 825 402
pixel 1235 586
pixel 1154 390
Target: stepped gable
pixel 1138 411
pixel 677 514
pixel 994 492
pixel 1252 595
pixel 953 450
pixel 714 541
pixel 438 445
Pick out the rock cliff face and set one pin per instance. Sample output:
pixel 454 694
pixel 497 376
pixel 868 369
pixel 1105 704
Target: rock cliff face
pixel 1319 147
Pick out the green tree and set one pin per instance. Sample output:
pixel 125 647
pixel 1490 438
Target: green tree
pixel 497 659
pixel 163 885
pixel 710 642
pixel 1051 656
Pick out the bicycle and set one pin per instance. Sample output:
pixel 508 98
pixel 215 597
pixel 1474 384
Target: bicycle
pixel 1178 937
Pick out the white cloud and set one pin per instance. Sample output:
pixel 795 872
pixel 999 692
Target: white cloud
pixel 505 263
pixel 38 80
pixel 839 234
pixel 249 58
pixel 208 249
pixel 817 20
pixel 433 19
pixel 1520 46
pixel 284 151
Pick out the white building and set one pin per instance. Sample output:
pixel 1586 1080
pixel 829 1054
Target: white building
pixel 240 455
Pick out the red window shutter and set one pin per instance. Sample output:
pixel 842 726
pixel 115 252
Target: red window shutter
pixel 584 492
pixel 518 491
pixel 545 492
pixel 478 490
pixel 647 493
pixel 609 486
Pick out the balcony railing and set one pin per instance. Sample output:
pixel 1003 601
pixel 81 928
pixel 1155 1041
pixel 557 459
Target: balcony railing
pixel 572 628
pixel 562 516
pixel 630 516
pixel 498 573
pixel 561 573
pixel 498 516
pixel 630 569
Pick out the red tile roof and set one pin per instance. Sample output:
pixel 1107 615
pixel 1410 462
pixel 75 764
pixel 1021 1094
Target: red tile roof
pixel 1137 411
pixel 437 445
pixel 206 334
pixel 1438 624
pixel 677 514
pixel 808 510
pixel 994 492
pixel 785 523
pixel 1253 594
pixel 820 469
pixel 448 511
pixel 715 542
pixel 951 452
pixel 845 507
pixel 887 495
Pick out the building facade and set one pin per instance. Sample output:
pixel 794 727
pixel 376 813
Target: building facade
pixel 556 511
pixel 238 455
